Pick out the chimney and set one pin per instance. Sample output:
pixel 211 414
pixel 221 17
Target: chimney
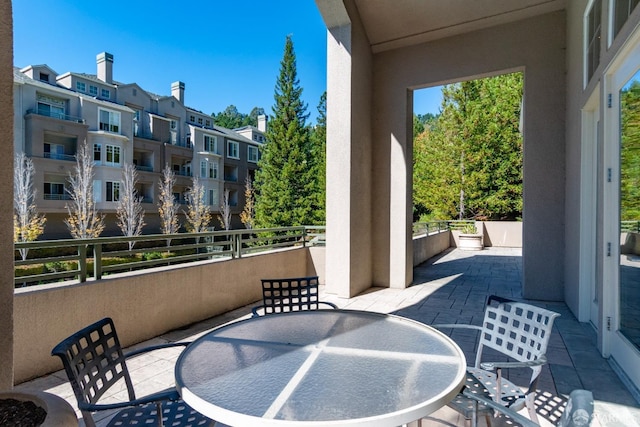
pixel 105 67
pixel 177 90
pixel 262 123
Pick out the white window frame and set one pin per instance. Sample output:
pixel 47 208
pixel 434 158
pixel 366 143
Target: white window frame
pixel 252 150
pixel 112 191
pixel 105 93
pixel 200 120
pixel 113 122
pixel 592 42
pixel 113 153
pixel 233 149
pixel 93 90
pixel 208 170
pixel 81 86
pixel 210 143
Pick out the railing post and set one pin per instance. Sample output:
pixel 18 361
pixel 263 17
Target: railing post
pixel 304 237
pixel 97 261
pixel 82 263
pixel 237 241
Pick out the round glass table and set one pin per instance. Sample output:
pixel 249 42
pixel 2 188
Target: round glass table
pixel 320 367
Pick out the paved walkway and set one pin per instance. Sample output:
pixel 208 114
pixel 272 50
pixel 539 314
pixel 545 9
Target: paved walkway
pixel 451 288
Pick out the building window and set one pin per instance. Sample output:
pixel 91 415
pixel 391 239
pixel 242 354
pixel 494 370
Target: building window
pixel 109 120
pixel 113 155
pixel 93 90
pixel 210 144
pixel 53 151
pixel 200 121
pixel 135 92
pixel 44 77
pixel 233 150
pixel 113 191
pixel 593 27
pixel 252 154
pixel 212 198
pixel 207 123
pixel 173 124
pixel 192 118
pixel 105 93
pixel 208 169
pixel 54 191
pixel 51 107
pixel 621 11
pixel 81 87
pixel 97 153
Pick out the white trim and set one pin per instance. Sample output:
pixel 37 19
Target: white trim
pixel 588 207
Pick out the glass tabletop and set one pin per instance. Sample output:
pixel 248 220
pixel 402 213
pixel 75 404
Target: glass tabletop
pixel 321 367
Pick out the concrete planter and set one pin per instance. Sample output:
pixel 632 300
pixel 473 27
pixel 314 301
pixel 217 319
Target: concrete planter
pixel 59 411
pixel 470 242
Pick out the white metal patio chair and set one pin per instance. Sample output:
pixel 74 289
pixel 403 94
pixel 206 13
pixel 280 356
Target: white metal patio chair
pixel 519 331
pixel 578 411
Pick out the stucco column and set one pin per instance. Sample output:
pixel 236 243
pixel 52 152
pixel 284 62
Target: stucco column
pixel 6 208
pixel 349 229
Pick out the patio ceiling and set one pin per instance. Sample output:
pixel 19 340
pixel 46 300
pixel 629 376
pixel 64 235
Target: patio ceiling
pixel 392 24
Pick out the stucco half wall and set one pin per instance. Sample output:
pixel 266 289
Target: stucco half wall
pixel 144 304
pixel 535 46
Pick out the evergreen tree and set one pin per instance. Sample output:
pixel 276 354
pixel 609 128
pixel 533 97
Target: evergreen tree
pixel 285 181
pixel 319 157
pixel 468 162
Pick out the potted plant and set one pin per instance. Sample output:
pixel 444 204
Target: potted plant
pixel 469 239
pixel 36 408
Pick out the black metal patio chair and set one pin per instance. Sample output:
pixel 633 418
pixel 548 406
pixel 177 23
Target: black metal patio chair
pixel 290 294
pixel 94 362
pixel 517 331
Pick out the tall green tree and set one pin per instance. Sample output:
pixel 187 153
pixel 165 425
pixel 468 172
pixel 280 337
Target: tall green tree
pixel 469 163
pixel 319 157
pixel 285 182
pixel 630 152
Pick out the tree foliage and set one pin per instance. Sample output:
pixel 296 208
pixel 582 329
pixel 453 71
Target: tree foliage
pixel 28 224
pixel 231 118
pixel 167 203
pixel 630 152
pixel 129 210
pixel 198 212
pixel 247 216
pixel 319 158
pixel 468 164
pixel 286 181
pixel 84 221
pixel 225 211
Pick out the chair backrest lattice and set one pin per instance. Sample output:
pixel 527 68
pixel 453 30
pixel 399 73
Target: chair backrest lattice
pixel 291 294
pixel 518 330
pixel 93 361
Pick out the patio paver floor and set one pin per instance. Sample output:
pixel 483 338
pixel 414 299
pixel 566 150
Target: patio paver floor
pixel 450 288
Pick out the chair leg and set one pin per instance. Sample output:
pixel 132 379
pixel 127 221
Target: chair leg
pixel 530 401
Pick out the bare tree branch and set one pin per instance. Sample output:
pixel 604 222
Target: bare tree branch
pixel 84 221
pixel 27 223
pixel 129 210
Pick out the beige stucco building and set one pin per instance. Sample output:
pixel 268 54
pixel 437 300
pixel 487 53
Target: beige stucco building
pixel 122 123
pixel 576 56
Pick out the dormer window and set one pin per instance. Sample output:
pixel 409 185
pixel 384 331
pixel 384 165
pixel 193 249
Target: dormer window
pixel 44 77
pixel 81 87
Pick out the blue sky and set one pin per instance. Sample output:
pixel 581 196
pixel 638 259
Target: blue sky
pixel 226 52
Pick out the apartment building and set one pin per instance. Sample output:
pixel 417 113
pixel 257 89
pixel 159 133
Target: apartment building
pixel 123 123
